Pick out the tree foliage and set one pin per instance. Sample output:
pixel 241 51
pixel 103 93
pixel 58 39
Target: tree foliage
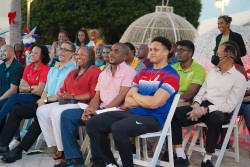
pixel 112 17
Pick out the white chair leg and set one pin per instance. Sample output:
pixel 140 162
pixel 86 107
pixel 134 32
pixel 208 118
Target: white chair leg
pixel 223 148
pixel 202 145
pixel 187 136
pixel 39 142
pixel 145 149
pixel 85 143
pixel 193 141
pixel 87 160
pixel 138 148
pixel 170 150
pixel 236 145
pixel 86 147
pixel 159 147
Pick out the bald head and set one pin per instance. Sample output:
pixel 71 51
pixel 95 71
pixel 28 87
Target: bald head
pixel 7 53
pixel 143 51
pixel 118 54
pixel 9 47
pixel 124 48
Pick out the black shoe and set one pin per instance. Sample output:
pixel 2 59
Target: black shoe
pixel 4 149
pixel 219 145
pixel 12 155
pixel 98 163
pixel 76 162
pixel 180 162
pixel 165 156
pixel 207 164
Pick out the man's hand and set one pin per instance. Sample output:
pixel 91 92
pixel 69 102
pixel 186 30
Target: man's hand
pixel 122 107
pixel 195 105
pixel 85 116
pixel 88 112
pixel 40 102
pixel 196 113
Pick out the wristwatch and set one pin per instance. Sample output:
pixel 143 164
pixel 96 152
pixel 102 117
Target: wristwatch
pixel 46 100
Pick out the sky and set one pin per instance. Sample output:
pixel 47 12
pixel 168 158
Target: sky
pixel 210 11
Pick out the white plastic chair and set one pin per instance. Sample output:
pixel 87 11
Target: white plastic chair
pixel 165 132
pixel 219 153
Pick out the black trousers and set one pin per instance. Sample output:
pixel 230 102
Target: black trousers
pixel 213 120
pixel 122 125
pixel 16 115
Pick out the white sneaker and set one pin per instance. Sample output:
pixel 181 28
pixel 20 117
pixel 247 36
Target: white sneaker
pixel 111 165
pixel 13 144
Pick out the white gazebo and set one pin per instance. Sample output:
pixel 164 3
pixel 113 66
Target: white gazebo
pixel 162 22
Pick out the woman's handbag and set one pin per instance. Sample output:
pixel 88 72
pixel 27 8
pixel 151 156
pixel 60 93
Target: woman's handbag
pixel 67 101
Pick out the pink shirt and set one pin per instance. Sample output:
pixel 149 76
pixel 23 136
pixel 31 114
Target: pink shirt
pixel 109 86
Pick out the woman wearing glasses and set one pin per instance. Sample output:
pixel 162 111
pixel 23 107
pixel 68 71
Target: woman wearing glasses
pixel 79 85
pixel 227 34
pixel 33 80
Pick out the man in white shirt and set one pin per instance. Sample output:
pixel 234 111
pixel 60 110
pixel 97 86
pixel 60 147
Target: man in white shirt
pixel 219 95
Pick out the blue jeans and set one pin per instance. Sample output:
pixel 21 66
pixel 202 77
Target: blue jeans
pixel 4 119
pixel 245 111
pixel 16 99
pixel 70 120
pixel 2 102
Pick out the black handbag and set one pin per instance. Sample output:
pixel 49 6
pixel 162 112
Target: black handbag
pixel 67 101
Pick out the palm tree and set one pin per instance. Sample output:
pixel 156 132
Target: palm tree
pixel 15 29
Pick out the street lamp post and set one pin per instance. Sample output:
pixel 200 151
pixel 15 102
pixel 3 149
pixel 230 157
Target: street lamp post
pixel 221 4
pixel 28 13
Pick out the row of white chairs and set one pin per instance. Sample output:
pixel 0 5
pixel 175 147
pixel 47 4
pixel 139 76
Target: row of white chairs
pixel 145 160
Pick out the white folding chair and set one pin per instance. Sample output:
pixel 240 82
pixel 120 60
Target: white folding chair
pixel 165 132
pixel 219 153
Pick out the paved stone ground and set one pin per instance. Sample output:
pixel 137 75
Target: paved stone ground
pixel 45 159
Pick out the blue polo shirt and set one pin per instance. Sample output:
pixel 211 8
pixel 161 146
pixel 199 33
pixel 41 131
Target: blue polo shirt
pixel 10 75
pixel 56 78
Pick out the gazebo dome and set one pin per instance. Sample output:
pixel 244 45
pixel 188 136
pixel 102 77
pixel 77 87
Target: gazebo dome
pixel 163 22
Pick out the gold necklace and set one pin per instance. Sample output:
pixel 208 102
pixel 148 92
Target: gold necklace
pixel 151 77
